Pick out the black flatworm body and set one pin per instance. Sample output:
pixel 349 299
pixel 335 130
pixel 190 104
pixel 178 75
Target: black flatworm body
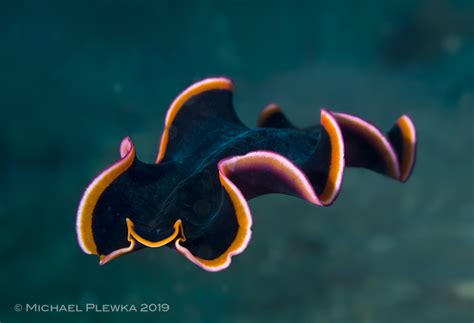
pixel 209 164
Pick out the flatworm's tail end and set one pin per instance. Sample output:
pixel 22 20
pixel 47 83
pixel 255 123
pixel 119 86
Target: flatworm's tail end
pixel 353 142
pixel 402 137
pixel 392 154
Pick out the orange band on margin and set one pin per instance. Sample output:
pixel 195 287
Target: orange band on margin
pixel 336 168
pixel 408 146
pixel 195 89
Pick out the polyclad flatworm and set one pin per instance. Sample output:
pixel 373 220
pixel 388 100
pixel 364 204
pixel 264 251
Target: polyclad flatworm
pixel 209 164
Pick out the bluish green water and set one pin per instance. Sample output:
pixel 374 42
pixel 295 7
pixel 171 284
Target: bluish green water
pixel 78 76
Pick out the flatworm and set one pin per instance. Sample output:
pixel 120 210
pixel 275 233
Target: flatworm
pixel 209 164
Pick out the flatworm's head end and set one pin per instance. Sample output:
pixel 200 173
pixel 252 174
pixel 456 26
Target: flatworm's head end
pixel 104 259
pixel 101 229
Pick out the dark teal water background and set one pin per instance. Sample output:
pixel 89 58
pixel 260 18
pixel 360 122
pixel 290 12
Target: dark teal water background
pixel 78 76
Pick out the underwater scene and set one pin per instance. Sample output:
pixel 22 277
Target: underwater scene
pixel 237 161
